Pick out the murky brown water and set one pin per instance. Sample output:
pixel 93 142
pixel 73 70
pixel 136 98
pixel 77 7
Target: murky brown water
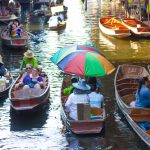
pixel 44 131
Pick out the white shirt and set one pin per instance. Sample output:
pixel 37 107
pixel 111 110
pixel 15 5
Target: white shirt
pixel 96 99
pixel 72 102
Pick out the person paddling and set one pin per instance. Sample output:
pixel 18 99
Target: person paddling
pixel 29 58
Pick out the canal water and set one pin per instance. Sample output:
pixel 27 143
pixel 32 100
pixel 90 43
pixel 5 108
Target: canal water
pixel 45 131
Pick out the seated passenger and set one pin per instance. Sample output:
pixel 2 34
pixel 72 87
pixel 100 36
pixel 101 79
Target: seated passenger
pixel 70 88
pixel 78 96
pixel 27 70
pixel 96 98
pixel 32 80
pixel 142 94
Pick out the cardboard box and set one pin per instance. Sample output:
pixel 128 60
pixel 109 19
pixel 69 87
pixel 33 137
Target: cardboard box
pixel 83 111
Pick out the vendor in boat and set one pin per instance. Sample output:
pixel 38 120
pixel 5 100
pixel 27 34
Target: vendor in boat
pixel 142 94
pixel 79 95
pixel 29 58
pixel 70 88
pixel 18 27
pixel 15 29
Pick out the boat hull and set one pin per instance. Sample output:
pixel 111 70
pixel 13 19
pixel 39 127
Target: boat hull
pixel 90 126
pixel 115 29
pixel 125 88
pixel 26 101
pixel 137 27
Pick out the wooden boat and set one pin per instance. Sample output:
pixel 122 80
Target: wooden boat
pixel 32 100
pixel 137 27
pixel 125 88
pixel 5 86
pixel 113 27
pixel 88 126
pixel 60 26
pixel 8 18
pixel 14 43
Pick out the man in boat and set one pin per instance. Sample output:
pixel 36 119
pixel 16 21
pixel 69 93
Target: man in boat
pixel 142 94
pixel 79 95
pixel 29 58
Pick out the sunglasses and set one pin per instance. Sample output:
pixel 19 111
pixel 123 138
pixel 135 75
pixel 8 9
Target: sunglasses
pixel 28 68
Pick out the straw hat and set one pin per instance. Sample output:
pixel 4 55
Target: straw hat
pixel 81 85
pixel 29 54
pixel 1 61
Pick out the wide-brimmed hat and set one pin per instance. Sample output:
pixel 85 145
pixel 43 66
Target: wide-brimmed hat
pixel 1 61
pixel 29 54
pixel 82 85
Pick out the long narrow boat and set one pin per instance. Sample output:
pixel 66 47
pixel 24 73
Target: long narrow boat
pixel 31 100
pixel 113 27
pixel 137 27
pixel 88 126
pixel 125 88
pixel 14 43
pixel 60 26
pixel 6 86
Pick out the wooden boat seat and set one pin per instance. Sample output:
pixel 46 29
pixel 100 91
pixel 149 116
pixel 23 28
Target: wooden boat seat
pixel 127 85
pixel 140 114
pixel 140 117
pixel 127 91
pixel 126 80
pixel 148 132
pixel 134 71
pixel 128 99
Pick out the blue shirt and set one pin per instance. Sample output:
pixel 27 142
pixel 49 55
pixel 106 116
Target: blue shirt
pixel 143 97
pixel 96 99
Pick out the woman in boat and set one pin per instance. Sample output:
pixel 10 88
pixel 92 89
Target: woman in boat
pixel 27 70
pixel 32 80
pixel 16 29
pixel 79 95
pixel 142 94
pixel 96 98
pixel 29 58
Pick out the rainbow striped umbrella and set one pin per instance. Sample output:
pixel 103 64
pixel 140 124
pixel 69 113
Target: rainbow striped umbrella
pixel 82 60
